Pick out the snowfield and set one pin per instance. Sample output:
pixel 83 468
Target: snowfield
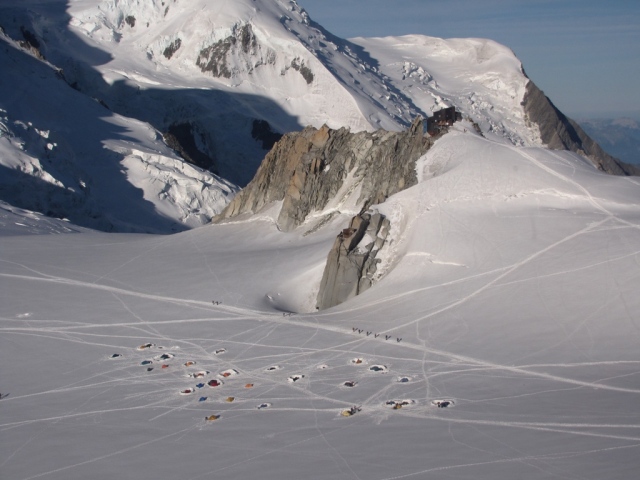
pixel 502 343
pixel 64 154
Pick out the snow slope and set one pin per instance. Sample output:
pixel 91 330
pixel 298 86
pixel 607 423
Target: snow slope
pixel 481 78
pixel 513 297
pixel 65 155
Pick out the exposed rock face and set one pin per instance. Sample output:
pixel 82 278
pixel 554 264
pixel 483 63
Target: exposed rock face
pixel 632 169
pixel 561 133
pixel 30 42
pixel 305 71
pixel 172 48
pixel 352 263
pixel 262 131
pixel 309 169
pixel 181 137
pixel 306 170
pixel 242 45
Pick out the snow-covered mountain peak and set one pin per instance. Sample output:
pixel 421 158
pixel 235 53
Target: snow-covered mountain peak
pixel 481 78
pixel 267 47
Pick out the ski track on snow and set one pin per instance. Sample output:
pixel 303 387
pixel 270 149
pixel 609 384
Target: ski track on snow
pixel 102 457
pixel 316 325
pixel 302 358
pixel 371 403
pixel 554 456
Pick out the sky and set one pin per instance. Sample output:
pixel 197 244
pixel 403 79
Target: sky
pixel 584 54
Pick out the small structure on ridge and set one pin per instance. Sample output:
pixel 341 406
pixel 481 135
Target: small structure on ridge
pixel 442 118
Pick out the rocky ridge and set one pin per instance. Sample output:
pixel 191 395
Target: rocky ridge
pixel 352 263
pixel 308 169
pixel 318 170
pixel 559 132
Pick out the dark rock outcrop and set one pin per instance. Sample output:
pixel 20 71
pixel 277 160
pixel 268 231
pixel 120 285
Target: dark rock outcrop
pixel 30 38
pixel 243 43
pixel 181 137
pixel 172 48
pixel 30 43
pixel 631 168
pixel 561 133
pixel 352 263
pixel 305 71
pixel 262 132
pixel 306 170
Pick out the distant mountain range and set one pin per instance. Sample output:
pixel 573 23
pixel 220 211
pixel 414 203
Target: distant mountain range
pixel 620 137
